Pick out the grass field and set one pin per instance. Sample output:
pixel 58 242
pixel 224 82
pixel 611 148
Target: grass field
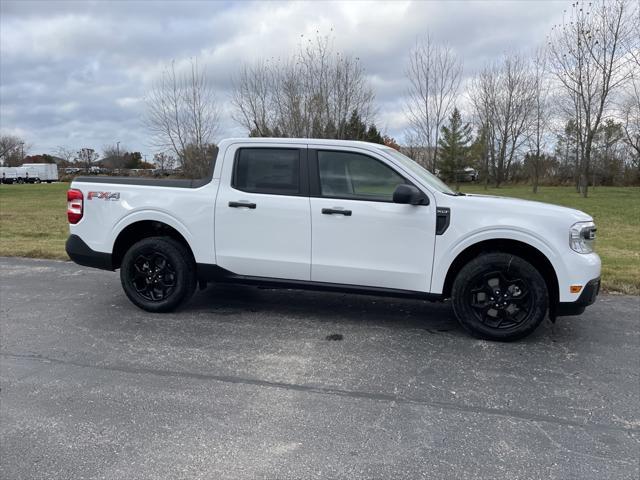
pixel 33 224
pixel 33 220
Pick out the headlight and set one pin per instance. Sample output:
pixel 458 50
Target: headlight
pixel 582 237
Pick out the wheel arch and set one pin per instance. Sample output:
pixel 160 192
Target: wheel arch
pixel 136 231
pixel 504 245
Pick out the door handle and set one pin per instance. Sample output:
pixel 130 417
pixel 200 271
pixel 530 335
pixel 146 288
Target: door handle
pixel 242 205
pixel 338 211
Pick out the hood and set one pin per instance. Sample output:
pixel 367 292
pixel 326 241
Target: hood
pixel 507 205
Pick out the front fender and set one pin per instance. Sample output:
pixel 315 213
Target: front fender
pixel 445 254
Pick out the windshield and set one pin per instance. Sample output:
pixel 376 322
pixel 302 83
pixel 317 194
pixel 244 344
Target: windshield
pixel 423 174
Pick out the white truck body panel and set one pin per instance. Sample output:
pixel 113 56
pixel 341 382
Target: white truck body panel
pixel 189 211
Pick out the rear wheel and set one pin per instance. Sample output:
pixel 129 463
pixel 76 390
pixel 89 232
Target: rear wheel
pixel 158 274
pixel 500 296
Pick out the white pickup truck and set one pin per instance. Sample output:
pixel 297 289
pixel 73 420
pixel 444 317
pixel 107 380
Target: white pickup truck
pixel 336 215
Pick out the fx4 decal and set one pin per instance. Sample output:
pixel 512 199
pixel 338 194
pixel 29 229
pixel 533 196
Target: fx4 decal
pixel 104 195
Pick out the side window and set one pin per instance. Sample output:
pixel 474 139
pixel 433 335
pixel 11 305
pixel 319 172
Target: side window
pixel 352 175
pixel 267 170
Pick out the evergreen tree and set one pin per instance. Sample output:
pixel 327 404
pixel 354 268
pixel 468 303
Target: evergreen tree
pixel 478 155
pixel 355 129
pixel 373 135
pixel 453 147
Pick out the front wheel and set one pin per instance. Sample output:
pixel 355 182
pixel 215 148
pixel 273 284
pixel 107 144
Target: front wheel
pixel 158 274
pixel 500 296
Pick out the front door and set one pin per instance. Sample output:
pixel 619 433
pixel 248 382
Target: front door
pixel 359 236
pixel 262 215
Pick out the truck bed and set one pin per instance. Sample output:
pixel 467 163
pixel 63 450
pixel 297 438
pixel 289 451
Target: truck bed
pixel 149 182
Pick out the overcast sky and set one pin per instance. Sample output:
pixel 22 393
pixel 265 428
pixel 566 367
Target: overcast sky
pixel 75 73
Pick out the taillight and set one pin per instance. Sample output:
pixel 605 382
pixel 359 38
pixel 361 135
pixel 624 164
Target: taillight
pixel 74 205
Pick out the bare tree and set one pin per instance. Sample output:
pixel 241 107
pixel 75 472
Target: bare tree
pixel 540 119
pixel 631 119
pixel 86 157
pixel 12 150
pixel 434 74
pixel 588 58
pixel 630 111
pixel 482 93
pixel 114 155
pixel 503 97
pixel 8 143
pixel 164 162
pixel 415 149
pixel 311 94
pixel 183 117
pixel 68 155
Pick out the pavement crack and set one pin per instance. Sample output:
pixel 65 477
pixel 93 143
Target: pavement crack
pixel 323 390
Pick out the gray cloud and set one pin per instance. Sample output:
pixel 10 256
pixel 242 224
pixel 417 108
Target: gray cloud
pixel 74 73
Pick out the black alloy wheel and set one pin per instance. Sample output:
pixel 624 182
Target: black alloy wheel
pixel 154 276
pixel 500 299
pixel 158 274
pixel 500 296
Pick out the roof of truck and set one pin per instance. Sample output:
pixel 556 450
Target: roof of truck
pixel 308 141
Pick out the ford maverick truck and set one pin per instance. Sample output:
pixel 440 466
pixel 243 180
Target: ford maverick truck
pixel 336 215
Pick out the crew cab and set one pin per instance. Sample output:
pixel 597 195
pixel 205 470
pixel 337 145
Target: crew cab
pixel 336 215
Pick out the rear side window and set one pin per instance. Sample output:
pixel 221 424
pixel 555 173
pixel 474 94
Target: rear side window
pixel 268 170
pixel 355 176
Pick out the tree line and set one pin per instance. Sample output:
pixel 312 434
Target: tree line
pixel 567 112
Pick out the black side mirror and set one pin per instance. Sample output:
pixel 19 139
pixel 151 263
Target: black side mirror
pixel 408 194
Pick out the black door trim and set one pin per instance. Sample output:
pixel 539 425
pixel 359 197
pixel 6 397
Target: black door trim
pixel 215 273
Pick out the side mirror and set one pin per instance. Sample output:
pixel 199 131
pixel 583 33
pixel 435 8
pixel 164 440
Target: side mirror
pixel 408 194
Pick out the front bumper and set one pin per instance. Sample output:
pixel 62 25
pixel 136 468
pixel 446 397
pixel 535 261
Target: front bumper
pixel 586 298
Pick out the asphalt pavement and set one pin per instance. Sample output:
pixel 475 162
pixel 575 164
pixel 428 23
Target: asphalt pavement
pixel 244 382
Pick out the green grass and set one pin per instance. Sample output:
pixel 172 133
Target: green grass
pixel 33 223
pixel 33 220
pixel 616 211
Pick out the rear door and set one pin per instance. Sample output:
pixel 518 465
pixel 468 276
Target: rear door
pixel 359 236
pixel 262 215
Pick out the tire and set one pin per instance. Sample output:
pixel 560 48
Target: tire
pixel 158 274
pixel 524 299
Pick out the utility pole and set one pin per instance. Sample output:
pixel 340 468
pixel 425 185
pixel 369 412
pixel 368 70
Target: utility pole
pixel 118 149
pixel 22 152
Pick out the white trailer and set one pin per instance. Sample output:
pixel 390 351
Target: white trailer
pixel 41 172
pixel 30 173
pixel 8 175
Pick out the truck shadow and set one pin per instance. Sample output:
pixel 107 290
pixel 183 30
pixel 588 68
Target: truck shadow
pixel 325 307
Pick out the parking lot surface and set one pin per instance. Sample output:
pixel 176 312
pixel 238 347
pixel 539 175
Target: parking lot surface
pixel 254 383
